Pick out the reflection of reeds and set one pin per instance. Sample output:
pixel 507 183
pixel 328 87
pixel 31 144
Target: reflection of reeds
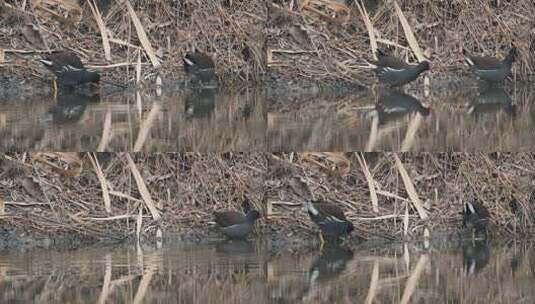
pixel 199 274
pixel 346 126
pixel 145 127
pixel 106 133
pixel 144 284
pixel 373 283
pixel 414 278
pixel 321 123
pixel 106 284
pixel 410 136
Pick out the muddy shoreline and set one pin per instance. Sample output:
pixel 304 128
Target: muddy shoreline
pixel 13 238
pixel 278 243
pixel 14 86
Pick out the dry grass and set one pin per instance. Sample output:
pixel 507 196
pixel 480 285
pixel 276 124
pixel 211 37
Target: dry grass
pixel 320 40
pixel 441 181
pixel 47 193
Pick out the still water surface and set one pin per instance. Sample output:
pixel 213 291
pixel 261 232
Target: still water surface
pixel 466 119
pixel 243 272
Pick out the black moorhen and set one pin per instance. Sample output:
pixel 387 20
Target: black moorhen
pixel 236 225
pixel 491 69
pixel 330 219
pixel 476 218
pixel 327 216
pixel 394 72
pixel 200 66
pixel 69 69
pixel 393 105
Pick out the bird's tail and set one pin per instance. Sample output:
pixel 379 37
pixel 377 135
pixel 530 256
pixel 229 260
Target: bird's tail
pixel 467 60
pixel 309 207
pixel 469 208
pixel 47 63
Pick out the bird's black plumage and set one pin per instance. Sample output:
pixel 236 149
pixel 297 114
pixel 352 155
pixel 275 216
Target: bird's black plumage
pixel 235 224
pixel 476 217
pixel 197 61
pixel 395 72
pixel 491 69
pixel 201 67
pixel 330 218
pixel 69 69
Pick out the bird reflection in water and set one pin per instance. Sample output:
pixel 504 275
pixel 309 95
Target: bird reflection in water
pixel 394 105
pixel 476 255
pixel 236 247
pixel 71 107
pixel 200 103
pixel 491 100
pixel 329 264
pixel 327 267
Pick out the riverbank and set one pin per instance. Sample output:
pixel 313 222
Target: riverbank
pixel 120 196
pixel 251 41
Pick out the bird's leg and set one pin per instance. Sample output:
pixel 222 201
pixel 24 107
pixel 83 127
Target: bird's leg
pixel 322 241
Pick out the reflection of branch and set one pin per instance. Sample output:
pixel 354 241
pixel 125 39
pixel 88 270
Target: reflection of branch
pixel 411 133
pixel 372 140
pixel 144 284
pixel 106 133
pixel 413 279
pixel 145 127
pixel 122 280
pixel 377 133
pixel 373 283
pixel 107 279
